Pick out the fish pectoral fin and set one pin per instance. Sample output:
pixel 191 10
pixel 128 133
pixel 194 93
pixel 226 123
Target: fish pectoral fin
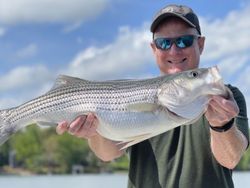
pixel 134 140
pixel 142 107
pixel 46 123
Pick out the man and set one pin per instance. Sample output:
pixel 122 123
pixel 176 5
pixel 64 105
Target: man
pixel 199 155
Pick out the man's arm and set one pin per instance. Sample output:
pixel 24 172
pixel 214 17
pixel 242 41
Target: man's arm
pixel 85 127
pixel 104 149
pixel 227 147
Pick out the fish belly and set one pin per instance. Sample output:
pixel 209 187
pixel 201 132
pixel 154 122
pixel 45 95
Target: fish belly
pixel 124 126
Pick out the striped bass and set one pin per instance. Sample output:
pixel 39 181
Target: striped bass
pixel 128 111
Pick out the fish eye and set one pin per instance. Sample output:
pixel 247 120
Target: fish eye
pixel 194 74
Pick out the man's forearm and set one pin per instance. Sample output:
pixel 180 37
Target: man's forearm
pixel 228 147
pixel 104 149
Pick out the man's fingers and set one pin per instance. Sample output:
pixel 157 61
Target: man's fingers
pixel 62 127
pixel 89 127
pixel 220 111
pixel 77 124
pixel 89 121
pixel 218 103
pixel 83 126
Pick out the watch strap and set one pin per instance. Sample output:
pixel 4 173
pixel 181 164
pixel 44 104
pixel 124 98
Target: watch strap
pixel 223 128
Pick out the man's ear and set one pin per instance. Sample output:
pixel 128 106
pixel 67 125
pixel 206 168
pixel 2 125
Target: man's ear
pixel 201 43
pixel 153 47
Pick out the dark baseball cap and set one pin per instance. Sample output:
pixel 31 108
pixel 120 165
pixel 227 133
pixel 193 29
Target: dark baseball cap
pixel 181 11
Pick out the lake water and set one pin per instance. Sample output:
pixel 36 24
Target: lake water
pixel 241 179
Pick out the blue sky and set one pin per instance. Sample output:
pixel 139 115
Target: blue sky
pixel 107 39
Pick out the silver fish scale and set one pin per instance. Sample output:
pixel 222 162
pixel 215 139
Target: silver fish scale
pixel 89 97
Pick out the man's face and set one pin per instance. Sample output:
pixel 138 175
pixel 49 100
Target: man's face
pixel 177 59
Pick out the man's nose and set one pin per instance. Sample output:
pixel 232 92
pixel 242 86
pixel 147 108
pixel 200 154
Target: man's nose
pixel 174 50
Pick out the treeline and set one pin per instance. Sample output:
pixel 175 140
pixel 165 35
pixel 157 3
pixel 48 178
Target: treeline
pixel 244 164
pixel 42 151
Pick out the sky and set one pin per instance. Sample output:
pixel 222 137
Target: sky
pixel 108 39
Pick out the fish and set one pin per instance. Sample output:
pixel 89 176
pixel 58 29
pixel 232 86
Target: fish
pixel 129 111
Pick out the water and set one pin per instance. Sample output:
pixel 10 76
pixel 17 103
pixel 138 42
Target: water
pixel 65 181
pixel 241 179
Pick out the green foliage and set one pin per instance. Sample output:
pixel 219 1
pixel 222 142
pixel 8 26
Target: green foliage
pixel 4 154
pixel 244 164
pixel 70 150
pixel 43 151
pixel 121 164
pixel 28 146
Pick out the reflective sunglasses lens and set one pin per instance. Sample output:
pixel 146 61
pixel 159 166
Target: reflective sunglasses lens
pixel 184 41
pixel 163 43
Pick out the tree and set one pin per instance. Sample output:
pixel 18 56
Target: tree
pixel 28 147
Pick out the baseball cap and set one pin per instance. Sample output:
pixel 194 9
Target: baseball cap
pixel 181 11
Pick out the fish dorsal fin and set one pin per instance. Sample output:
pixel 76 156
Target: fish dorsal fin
pixel 63 80
pixel 142 107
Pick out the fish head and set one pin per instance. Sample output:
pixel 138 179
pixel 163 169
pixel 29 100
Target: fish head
pixel 188 93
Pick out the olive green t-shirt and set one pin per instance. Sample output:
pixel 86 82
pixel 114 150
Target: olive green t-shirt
pixel 182 157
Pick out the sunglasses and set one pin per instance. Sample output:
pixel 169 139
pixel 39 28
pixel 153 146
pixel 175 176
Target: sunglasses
pixel 181 42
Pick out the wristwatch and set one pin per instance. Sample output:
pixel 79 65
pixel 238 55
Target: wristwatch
pixel 223 128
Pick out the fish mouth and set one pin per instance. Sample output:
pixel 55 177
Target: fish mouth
pixel 222 91
pixel 216 74
pixel 218 87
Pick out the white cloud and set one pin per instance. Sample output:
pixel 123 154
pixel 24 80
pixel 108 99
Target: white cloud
pixel 30 11
pixel 243 82
pixel 244 77
pixel 28 51
pixel 228 36
pixel 24 77
pixel 128 54
pixel 233 64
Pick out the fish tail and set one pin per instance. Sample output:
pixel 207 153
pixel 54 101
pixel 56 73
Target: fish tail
pixel 6 128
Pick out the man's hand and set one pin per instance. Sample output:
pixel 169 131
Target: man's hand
pixel 221 110
pixel 83 126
